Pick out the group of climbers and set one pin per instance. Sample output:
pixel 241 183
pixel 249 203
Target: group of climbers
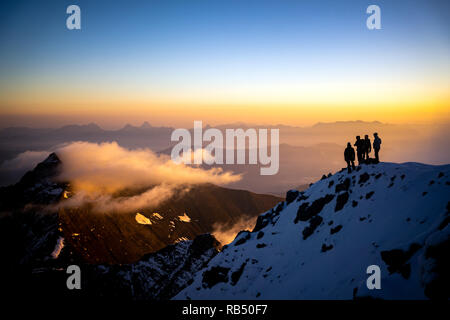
pixel 363 149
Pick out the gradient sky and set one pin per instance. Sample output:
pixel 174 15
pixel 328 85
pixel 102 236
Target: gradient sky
pixel 174 61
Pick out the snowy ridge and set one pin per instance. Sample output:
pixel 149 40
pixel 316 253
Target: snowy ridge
pixel 318 243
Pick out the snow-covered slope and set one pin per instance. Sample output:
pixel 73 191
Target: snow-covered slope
pixel 318 244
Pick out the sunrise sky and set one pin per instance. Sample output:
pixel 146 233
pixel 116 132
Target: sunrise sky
pixel 174 61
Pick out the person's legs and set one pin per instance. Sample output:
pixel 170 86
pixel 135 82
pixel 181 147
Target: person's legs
pixel 376 155
pixel 348 166
pixel 353 164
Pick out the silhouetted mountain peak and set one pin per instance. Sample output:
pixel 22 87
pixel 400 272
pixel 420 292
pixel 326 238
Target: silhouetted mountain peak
pixel 37 186
pixel 45 170
pixel 52 159
pixel 146 125
pixel 347 123
pixel 128 126
pixel 91 127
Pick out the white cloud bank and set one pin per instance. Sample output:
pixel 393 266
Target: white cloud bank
pixel 97 172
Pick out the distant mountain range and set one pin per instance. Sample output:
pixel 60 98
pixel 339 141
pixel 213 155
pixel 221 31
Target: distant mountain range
pixel 306 153
pixel 15 140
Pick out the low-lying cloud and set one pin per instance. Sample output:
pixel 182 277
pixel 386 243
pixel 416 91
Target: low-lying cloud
pixel 108 167
pixel 100 173
pixel 226 233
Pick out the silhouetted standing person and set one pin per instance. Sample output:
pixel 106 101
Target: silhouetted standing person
pixel 349 156
pixel 376 146
pixel 367 148
pixel 359 144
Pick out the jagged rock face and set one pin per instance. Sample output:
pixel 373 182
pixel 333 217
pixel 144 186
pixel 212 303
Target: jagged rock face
pixel 305 212
pixel 37 187
pixel 291 195
pixel 28 229
pixel 319 245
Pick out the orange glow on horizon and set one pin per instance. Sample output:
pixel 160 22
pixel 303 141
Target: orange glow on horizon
pixel 108 107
